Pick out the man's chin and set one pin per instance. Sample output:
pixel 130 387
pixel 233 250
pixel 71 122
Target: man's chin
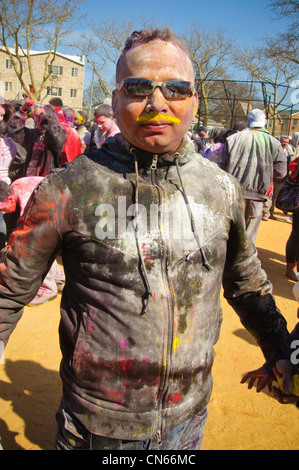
pixel 157 145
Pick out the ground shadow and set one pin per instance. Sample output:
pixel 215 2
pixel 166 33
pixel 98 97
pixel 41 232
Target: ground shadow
pixel 246 336
pixel 274 265
pixel 35 395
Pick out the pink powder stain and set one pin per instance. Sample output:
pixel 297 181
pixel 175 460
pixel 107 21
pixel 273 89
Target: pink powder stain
pixel 146 358
pixel 124 343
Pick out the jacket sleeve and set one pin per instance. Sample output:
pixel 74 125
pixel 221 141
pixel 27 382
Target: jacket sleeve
pixel 224 157
pixel 249 292
pixel 29 254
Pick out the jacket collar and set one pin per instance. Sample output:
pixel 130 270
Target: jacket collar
pixel 184 153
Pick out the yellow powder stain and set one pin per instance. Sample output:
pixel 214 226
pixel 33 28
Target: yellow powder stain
pixel 176 343
pixel 156 117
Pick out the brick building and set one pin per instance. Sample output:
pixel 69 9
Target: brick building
pixel 66 81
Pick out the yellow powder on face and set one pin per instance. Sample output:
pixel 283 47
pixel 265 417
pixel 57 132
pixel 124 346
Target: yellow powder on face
pixel 158 116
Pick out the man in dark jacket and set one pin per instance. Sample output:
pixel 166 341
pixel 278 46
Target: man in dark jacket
pixel 148 231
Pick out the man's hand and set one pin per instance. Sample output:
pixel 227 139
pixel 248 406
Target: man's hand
pixel 262 377
pixel 283 370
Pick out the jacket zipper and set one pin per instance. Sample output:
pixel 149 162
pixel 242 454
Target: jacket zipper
pixel 167 357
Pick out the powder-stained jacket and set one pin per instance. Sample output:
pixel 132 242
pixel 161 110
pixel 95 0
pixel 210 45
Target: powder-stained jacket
pixel 254 157
pixel 140 311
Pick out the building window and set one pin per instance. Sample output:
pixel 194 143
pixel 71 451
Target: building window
pixel 73 93
pixel 295 122
pixel 54 91
pixel 74 72
pixel 56 70
pixel 8 86
pixel 8 64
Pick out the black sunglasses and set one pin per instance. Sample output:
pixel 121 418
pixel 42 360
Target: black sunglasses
pixel 171 89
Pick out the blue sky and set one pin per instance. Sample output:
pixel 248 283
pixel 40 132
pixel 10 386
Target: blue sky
pixel 247 21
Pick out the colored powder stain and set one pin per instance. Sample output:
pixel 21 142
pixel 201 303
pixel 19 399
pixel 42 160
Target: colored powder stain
pixel 174 399
pixel 158 116
pixel 124 343
pixel 176 343
pixel 146 359
pixel 164 356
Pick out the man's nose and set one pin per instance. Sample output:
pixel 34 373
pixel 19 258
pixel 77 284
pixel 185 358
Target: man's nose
pixel 157 102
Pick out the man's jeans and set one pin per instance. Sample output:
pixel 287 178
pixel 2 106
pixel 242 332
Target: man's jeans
pixel 72 435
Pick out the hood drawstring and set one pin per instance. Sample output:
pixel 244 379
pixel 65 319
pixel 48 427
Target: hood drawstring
pixel 148 293
pixel 193 226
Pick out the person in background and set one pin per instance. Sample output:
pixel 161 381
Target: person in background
pixel 292 245
pixel 215 144
pixel 66 115
pixel 294 146
pixel 284 141
pixel 8 151
pixel 201 139
pixel 80 122
pixel 104 119
pixel 255 159
pixel 44 143
pixel 13 200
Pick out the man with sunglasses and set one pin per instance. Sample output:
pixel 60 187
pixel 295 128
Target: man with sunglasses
pixel 148 230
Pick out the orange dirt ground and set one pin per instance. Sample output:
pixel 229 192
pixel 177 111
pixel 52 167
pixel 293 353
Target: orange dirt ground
pixel 239 419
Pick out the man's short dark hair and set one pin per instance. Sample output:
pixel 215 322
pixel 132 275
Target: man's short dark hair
pixel 104 110
pixel 56 102
pixel 5 190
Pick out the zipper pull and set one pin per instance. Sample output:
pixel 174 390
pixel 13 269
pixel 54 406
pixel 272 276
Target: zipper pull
pixel 154 162
pixel 158 437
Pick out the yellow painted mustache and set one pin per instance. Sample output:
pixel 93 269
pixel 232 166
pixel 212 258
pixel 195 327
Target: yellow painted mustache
pixel 158 117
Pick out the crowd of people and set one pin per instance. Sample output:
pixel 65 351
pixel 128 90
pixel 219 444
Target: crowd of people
pixel 35 139
pixel 260 163
pixel 140 309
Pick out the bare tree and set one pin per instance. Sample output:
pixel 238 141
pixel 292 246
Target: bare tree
pixel 103 46
pixel 210 53
pixel 230 101
pixel 25 24
pixel 272 71
pixel 285 43
pixel 286 8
